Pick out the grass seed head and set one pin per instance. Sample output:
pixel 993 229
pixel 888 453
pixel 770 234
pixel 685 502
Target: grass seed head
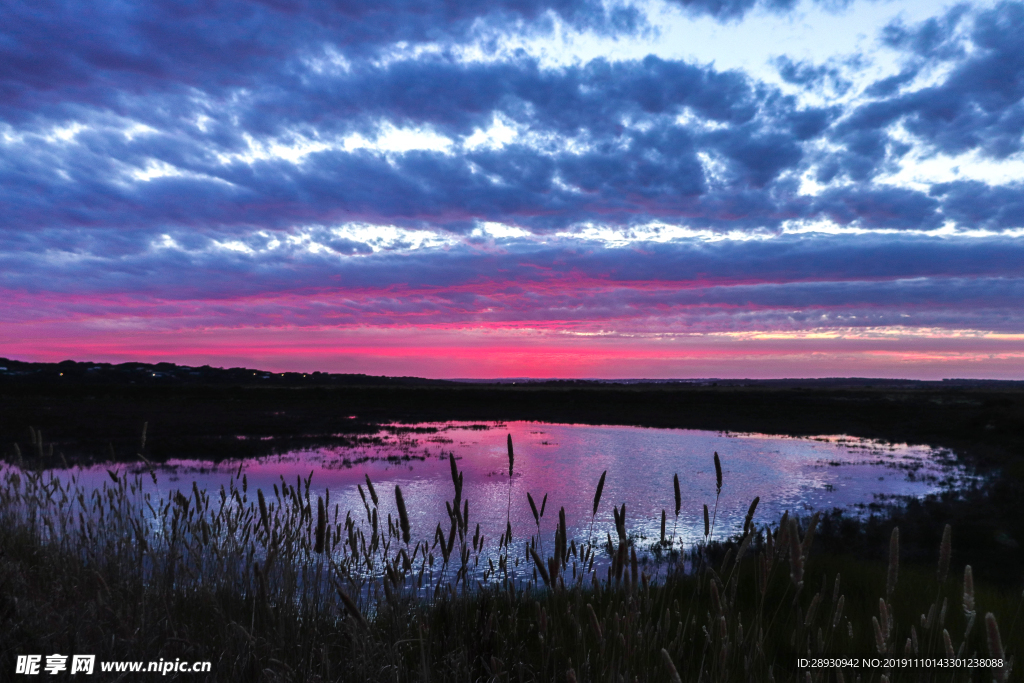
pixel 886 618
pixel 321 526
pixel 750 513
pixel 600 489
pixel 944 553
pixel 511 456
pixel 894 561
pixel 351 606
pixel 264 517
pixel 968 591
pixel 595 624
pixel 673 675
pixel 718 473
pixel 633 567
pixel 879 639
pixel 812 609
pixel 403 516
pixel 563 534
pixel 995 647
pixel 539 564
pixel 455 470
pixel 369 487
pixel 679 498
pixel 839 611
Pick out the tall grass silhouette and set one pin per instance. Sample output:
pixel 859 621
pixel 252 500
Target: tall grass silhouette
pixel 282 586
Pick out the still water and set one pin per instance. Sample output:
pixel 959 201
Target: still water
pixel 564 463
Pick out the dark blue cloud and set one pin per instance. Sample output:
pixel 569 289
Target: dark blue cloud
pixel 206 272
pixel 977 106
pixel 887 86
pixel 978 205
pixel 53 49
pixel 732 10
pixel 102 53
pixel 879 207
pixel 54 52
pixel 611 143
pixel 934 38
pixel 811 76
pixel 621 174
pixel 785 283
pixel 633 161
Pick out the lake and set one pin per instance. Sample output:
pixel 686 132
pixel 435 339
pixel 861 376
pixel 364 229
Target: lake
pixel 564 463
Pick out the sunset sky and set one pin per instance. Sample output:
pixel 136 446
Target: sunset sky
pixel 497 188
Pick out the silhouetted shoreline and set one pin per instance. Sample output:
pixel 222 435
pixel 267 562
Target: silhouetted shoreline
pixel 93 410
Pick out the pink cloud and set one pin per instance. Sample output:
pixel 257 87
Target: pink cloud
pixel 503 352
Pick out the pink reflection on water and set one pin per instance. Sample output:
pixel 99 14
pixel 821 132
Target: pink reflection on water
pixel 564 462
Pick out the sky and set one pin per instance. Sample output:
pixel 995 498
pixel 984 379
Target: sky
pixel 538 188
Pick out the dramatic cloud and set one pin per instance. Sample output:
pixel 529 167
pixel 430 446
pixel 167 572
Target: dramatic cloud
pixel 461 167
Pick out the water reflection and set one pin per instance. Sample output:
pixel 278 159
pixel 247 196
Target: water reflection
pixel 564 463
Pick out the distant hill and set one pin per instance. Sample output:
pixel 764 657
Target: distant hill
pixel 162 374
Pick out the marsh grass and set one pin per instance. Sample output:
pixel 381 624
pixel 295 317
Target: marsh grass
pixel 282 586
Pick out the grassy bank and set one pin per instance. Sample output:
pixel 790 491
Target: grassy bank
pixel 281 585
pixel 94 422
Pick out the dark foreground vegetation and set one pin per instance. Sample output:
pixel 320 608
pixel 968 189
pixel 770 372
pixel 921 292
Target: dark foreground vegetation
pixel 248 589
pixel 281 586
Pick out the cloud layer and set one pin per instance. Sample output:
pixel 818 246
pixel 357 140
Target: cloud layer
pixel 170 169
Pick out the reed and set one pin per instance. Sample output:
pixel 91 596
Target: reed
pixel 268 589
pixel 718 494
pixel 597 502
pixel 403 516
pixel 264 516
pixel 718 474
pixel 679 503
pixel 995 648
pixel 944 553
pixel 508 510
pixel 321 526
pixel 750 514
pixel 894 563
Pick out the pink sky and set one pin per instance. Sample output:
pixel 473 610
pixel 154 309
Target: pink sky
pixel 459 189
pixel 440 352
